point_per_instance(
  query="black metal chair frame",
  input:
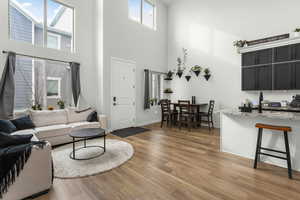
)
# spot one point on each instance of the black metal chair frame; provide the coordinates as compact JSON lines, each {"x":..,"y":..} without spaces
{"x":208,"y":115}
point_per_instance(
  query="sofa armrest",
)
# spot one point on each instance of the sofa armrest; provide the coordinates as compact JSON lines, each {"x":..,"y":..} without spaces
{"x":103,"y":121}
{"x":36,"y":177}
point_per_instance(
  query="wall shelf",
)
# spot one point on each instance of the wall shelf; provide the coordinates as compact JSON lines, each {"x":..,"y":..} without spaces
{"x":268,"y":45}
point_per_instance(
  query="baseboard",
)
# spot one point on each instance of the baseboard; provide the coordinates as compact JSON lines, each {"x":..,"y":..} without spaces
{"x":37,"y":195}
{"x":148,"y":123}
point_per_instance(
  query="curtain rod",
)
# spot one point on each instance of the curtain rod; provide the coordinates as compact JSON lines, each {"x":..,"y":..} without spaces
{"x":19,"y":54}
{"x":155,"y":72}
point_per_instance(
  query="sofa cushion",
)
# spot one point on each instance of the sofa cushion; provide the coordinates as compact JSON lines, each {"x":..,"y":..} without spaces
{"x":52,"y":131}
{"x":23,"y":123}
{"x":7,"y":126}
{"x":27,"y":132}
{"x":48,"y":118}
{"x":7,"y":140}
{"x":81,"y":125}
{"x":78,"y":116}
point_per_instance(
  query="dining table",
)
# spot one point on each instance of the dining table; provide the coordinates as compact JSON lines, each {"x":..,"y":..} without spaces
{"x":195,"y":106}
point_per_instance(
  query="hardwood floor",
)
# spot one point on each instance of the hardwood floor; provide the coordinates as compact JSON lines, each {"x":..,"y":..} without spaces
{"x":173,"y":164}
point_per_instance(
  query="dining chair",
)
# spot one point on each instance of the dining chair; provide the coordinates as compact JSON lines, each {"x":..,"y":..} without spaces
{"x":167,"y":115}
{"x":186,"y":116}
{"x":208,"y":115}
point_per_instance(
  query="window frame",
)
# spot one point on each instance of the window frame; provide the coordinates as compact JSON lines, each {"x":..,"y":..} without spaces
{"x":58,"y":40}
{"x":141,"y":16}
{"x":58,"y":85}
{"x":45,"y":27}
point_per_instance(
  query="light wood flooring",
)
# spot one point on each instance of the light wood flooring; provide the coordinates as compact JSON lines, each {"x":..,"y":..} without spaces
{"x":173,"y":164}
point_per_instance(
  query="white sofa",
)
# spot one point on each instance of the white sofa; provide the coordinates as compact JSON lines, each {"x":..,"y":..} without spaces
{"x":53,"y":127}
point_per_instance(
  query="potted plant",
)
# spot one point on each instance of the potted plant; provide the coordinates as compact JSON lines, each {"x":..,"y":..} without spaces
{"x":181,"y":63}
{"x":50,"y":108}
{"x":36,"y":106}
{"x":240,"y":43}
{"x":207,"y":74}
{"x":61,"y":104}
{"x":169,"y":76}
{"x":188,"y":76}
{"x":197,"y":69}
{"x":168,"y":91}
{"x":153,"y":101}
{"x":297,"y":32}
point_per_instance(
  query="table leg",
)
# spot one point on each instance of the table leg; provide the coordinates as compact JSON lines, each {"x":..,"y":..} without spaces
{"x":104,"y":143}
{"x":84,"y":143}
{"x":73,"y":148}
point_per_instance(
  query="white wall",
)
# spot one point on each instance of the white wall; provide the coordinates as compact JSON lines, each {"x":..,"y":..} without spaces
{"x":126,"y":39}
{"x":84,"y":43}
{"x":207,"y":28}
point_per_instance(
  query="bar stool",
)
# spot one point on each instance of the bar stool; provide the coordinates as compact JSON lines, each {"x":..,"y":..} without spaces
{"x":285,"y":130}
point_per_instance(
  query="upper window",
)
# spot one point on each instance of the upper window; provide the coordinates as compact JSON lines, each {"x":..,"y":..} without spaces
{"x":143,"y":11}
{"x":29,"y":23}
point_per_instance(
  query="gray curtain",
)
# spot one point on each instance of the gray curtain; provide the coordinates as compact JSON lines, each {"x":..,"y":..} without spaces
{"x":75,"y":77}
{"x":147,"y":89}
{"x":7,"y":88}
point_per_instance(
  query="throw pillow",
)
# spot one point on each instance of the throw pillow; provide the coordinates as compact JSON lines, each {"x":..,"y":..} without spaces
{"x":7,"y":140}
{"x":93,"y":117}
{"x":7,"y":127}
{"x":23,"y":123}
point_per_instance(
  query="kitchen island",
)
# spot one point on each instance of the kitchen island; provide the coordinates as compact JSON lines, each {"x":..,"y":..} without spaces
{"x":239,"y":135}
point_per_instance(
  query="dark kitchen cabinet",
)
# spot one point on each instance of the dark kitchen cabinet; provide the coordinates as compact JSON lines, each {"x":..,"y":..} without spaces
{"x":282,"y":54}
{"x":257,"y":78}
{"x":257,"y":57}
{"x":296,"y":75}
{"x":283,"y":76}
{"x":295,"y":52}
{"x":264,"y":56}
{"x":249,"y":59}
{"x":264,"y":77}
{"x":249,"y":78}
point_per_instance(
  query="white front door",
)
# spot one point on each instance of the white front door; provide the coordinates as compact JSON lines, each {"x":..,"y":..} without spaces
{"x":123,"y":94}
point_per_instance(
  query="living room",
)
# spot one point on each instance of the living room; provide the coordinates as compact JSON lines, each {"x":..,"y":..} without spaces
{"x":143,"y":99}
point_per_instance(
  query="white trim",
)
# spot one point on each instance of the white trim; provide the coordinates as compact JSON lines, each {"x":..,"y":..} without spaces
{"x":58,"y":40}
{"x":111,"y":87}
{"x":268,"y":45}
{"x":59,"y":87}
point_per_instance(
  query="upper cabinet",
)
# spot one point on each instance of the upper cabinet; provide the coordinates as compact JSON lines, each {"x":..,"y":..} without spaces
{"x":257,"y":57}
{"x":275,"y":68}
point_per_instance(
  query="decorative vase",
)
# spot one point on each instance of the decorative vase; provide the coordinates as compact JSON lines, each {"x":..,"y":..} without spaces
{"x":188,"y":77}
{"x":207,"y":76}
{"x":179,"y":74}
{"x":197,"y":72}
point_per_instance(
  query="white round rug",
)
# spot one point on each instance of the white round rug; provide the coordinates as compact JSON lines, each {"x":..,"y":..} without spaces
{"x":117,"y":153}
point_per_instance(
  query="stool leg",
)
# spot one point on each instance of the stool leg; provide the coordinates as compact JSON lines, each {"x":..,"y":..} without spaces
{"x":288,"y":155}
{"x":258,"y":145}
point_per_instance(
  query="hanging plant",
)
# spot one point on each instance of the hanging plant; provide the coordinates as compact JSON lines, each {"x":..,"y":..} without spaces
{"x":188,"y":77}
{"x":207,"y":74}
{"x":181,"y":63}
{"x":196,"y":69}
{"x":169,"y":76}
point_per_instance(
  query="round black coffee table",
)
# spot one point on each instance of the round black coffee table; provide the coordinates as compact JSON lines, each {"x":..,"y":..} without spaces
{"x":84,"y":135}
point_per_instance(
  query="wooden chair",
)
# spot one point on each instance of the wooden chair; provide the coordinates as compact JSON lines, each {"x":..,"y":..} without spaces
{"x":208,"y":115}
{"x":186,"y":115}
{"x":167,"y":115}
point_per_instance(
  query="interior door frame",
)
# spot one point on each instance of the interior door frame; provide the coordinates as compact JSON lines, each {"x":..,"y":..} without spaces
{"x":111,"y":87}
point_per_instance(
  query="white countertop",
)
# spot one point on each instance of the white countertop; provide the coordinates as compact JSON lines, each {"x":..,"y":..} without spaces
{"x":265,"y":114}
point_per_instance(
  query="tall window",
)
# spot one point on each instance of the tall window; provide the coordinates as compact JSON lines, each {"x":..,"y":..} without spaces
{"x":41,"y":82}
{"x":143,"y":11}
{"x":29,"y":23}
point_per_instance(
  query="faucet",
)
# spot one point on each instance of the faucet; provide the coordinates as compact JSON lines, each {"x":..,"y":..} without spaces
{"x":261,"y":98}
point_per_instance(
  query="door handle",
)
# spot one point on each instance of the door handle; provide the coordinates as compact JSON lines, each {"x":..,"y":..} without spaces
{"x":114,"y":99}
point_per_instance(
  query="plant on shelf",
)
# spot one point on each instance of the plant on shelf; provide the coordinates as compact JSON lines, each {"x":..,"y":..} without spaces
{"x":61,"y":104}
{"x":297,"y":32}
{"x":169,"y":75}
{"x":153,"y":101}
{"x":207,"y":74}
{"x":36,"y":107}
{"x":196,"y":69}
{"x":240,"y":43}
{"x":188,"y":76}
{"x":168,"y":91}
